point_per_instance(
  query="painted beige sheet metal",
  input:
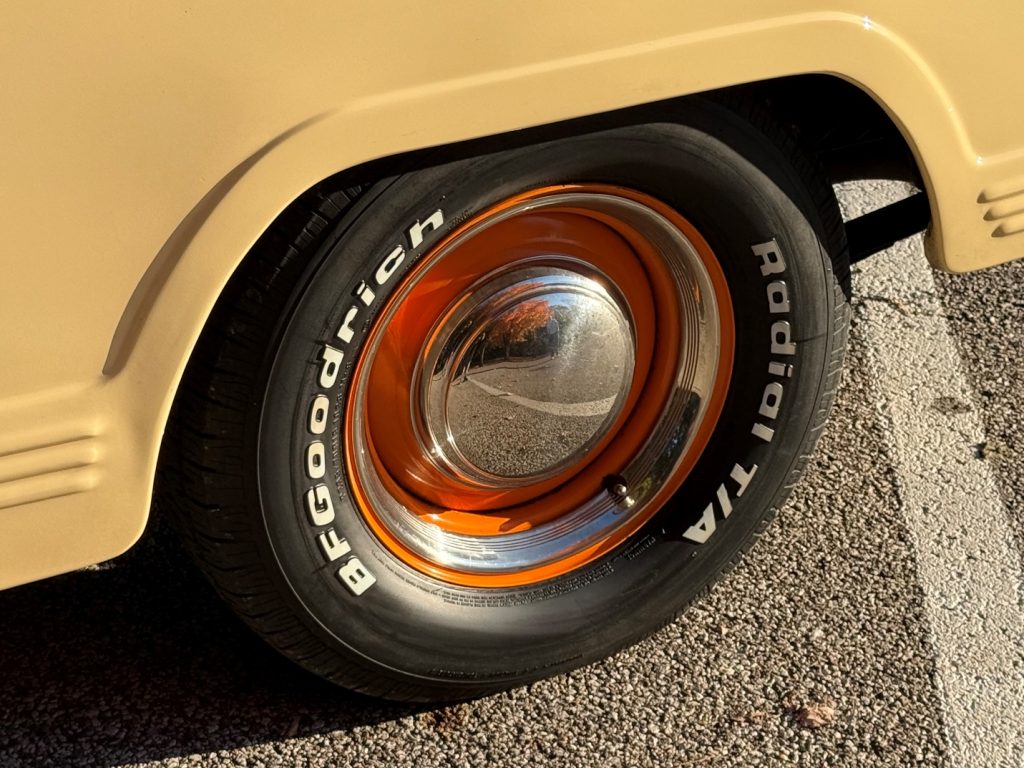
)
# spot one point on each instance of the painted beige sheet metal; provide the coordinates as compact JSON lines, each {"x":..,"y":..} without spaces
{"x":145,"y":146}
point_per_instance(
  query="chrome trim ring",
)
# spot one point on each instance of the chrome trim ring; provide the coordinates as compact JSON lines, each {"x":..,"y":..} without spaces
{"x":637,"y":483}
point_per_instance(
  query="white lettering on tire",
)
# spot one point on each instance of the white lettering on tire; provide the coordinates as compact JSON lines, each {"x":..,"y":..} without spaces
{"x":356,"y":577}
{"x":700,"y":532}
{"x":387,"y":267}
{"x":318,"y":415}
{"x":435,"y":220}
{"x":773,"y":265}
{"x":319,"y":506}
{"x":331,"y":365}
{"x":334,"y":548}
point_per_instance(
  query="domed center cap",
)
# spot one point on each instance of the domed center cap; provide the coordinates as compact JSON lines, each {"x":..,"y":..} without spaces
{"x":525,"y":375}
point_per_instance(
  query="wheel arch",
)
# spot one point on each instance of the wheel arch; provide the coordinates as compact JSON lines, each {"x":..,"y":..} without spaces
{"x":212,"y":240}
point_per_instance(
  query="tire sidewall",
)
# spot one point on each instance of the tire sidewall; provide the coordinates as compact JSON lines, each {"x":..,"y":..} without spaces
{"x":739,"y":192}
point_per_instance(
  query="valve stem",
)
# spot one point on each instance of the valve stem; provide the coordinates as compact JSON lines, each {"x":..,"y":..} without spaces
{"x":617,"y":487}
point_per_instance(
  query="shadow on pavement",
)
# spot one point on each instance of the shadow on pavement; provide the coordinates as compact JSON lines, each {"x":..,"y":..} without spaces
{"x":138,"y":660}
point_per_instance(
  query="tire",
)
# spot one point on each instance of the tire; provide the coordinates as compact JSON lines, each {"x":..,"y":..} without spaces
{"x":291,"y":460}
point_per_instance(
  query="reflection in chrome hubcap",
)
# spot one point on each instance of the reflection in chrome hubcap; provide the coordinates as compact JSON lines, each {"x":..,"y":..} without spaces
{"x":525,"y":374}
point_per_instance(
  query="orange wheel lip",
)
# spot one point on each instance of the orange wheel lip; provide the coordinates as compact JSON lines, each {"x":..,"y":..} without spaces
{"x":493,"y":523}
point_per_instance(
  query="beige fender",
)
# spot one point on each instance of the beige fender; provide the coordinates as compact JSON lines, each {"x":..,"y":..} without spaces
{"x":97,"y":359}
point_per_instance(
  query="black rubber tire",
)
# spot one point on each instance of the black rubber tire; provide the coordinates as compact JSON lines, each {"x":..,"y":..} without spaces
{"x":234,"y":460}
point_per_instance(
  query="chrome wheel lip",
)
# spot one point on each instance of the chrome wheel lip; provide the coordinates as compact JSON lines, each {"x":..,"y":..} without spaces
{"x":643,"y":476}
{"x":449,"y":343}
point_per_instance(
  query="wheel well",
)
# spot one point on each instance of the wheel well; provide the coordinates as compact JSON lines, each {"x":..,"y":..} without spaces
{"x":850,"y":133}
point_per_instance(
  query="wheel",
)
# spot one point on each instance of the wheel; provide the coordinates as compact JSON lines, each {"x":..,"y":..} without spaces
{"x":486,"y":421}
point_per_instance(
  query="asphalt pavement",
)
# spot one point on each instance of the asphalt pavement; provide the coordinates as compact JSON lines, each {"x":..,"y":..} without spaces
{"x":877,"y":622}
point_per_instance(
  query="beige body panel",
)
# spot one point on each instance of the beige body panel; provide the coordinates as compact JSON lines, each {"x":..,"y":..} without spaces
{"x":145,"y":146}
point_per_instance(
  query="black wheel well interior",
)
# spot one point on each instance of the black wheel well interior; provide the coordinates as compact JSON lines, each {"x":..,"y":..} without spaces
{"x":851,"y":134}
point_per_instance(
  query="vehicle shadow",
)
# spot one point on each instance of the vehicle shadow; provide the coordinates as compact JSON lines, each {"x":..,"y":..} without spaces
{"x":138,"y":660}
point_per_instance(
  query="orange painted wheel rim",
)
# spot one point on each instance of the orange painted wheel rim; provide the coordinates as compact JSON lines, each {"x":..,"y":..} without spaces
{"x":584,"y":288}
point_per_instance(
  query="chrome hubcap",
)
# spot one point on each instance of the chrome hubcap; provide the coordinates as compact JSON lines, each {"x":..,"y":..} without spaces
{"x":525,"y":374}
